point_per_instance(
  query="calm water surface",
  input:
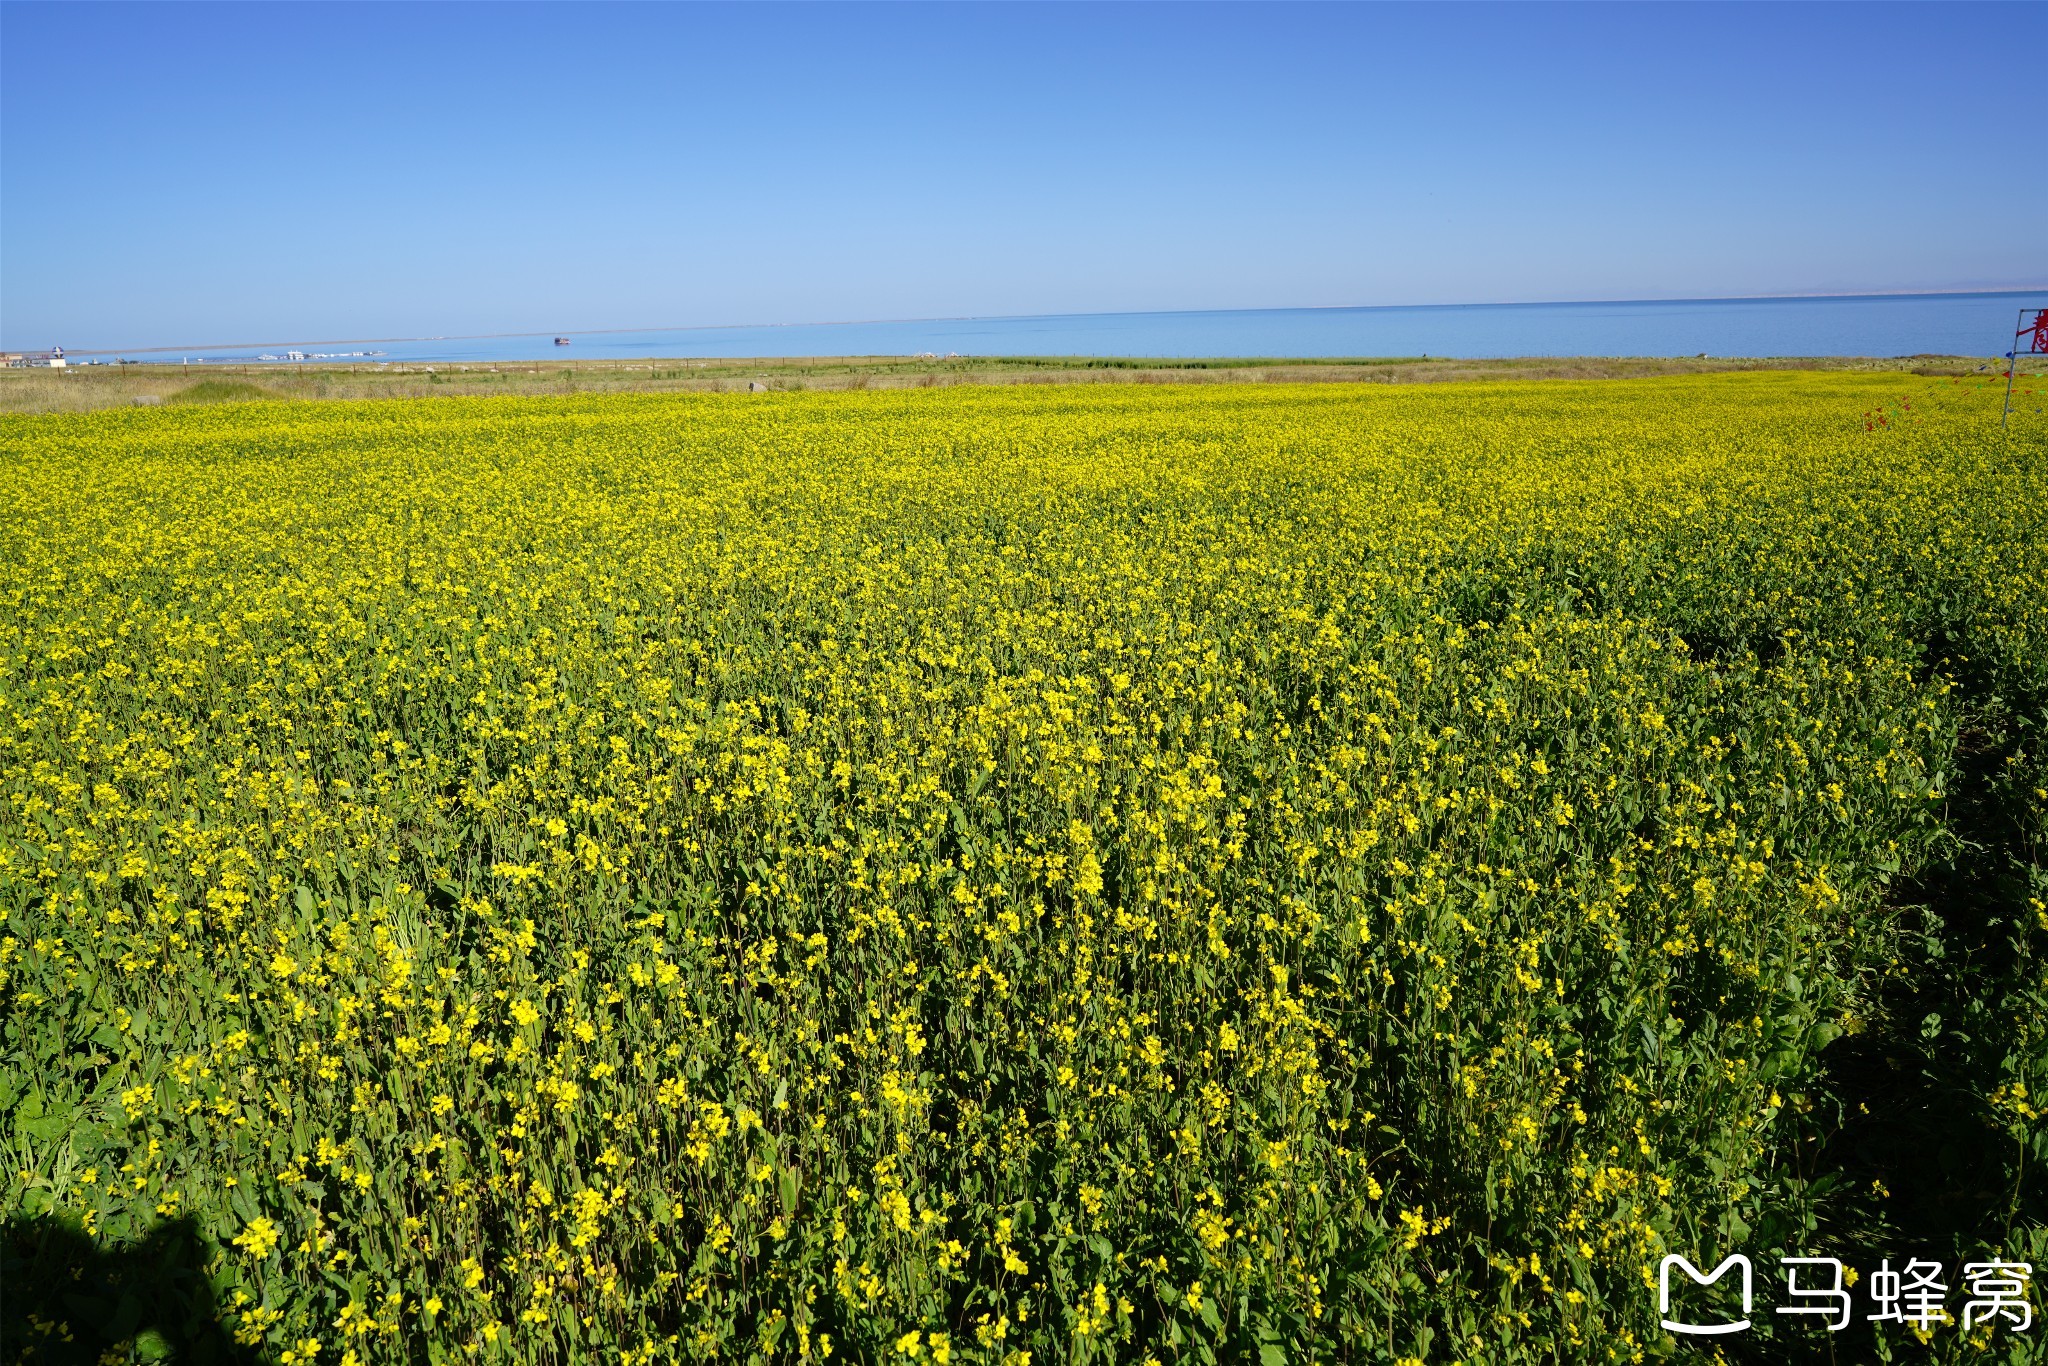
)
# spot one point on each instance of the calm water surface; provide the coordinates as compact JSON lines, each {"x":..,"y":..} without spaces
{"x":1870,"y":325}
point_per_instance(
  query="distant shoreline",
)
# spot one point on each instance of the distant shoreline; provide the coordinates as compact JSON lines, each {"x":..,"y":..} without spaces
{"x":25,"y":392}
{"x":2015,"y":291}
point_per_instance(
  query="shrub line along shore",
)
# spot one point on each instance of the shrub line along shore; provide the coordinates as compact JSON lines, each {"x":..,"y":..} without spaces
{"x":106,"y":386}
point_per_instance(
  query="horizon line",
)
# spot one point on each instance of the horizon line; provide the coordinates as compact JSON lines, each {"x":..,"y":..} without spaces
{"x":1106,"y":313}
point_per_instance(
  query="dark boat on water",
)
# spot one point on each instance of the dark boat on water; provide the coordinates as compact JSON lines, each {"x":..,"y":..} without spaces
{"x":561,"y":341}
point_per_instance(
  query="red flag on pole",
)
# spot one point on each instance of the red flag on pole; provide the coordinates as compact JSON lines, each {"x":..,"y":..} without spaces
{"x":2037,"y":335}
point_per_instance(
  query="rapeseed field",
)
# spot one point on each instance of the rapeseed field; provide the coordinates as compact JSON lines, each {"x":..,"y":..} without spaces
{"x":1269,"y":874}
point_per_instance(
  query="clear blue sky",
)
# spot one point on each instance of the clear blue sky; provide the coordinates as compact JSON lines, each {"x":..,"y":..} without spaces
{"x":175,"y":173}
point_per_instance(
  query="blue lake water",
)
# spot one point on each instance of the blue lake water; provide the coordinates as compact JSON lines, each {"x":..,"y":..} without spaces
{"x":1865,"y":325}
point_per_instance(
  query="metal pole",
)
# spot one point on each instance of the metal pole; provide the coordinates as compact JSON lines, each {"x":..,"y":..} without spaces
{"x":2012,"y":363}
